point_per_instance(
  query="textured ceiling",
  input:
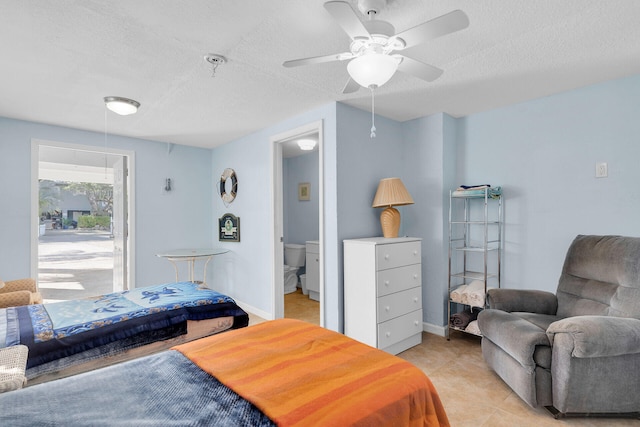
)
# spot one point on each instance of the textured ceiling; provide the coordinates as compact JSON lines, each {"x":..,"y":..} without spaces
{"x":60,"y":58}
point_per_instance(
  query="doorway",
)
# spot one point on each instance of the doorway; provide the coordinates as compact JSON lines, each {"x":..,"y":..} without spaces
{"x":83,"y":244}
{"x":284,"y":150}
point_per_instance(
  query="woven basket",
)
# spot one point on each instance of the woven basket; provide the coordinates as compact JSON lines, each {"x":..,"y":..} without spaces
{"x":13,"y":363}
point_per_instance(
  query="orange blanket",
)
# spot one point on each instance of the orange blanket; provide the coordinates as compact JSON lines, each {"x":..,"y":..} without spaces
{"x":300,"y":374}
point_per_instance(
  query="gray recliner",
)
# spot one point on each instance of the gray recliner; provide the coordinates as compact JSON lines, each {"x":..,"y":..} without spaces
{"x":578,"y":351}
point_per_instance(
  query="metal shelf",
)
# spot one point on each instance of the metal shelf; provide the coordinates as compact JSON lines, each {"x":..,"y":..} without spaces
{"x":455,"y":328}
{"x":491,"y":247}
{"x":473,"y":275}
{"x":475,"y":242}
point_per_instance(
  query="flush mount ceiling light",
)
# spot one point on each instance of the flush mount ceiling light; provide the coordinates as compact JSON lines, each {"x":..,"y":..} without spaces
{"x":306,"y":144}
{"x":120,"y":105}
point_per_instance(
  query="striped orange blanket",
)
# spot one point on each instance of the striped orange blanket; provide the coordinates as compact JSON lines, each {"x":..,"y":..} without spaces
{"x":300,"y":374}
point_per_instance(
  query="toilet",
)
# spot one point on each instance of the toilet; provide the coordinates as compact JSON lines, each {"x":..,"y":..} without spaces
{"x":294,"y":257}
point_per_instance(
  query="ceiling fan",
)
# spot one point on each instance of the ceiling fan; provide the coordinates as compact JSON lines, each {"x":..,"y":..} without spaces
{"x":373,"y":57}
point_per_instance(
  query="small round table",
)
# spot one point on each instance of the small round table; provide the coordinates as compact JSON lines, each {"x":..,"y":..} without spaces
{"x":190,"y":256}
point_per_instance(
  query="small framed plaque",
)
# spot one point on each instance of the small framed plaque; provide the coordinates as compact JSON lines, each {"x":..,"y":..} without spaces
{"x":304,"y":191}
{"x":229,"y":227}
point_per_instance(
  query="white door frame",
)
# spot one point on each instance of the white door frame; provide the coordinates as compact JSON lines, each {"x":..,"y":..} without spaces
{"x":35,"y":208}
{"x":277,"y":280}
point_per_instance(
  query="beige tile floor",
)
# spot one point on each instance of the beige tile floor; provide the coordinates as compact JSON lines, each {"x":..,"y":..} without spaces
{"x":471,"y":393}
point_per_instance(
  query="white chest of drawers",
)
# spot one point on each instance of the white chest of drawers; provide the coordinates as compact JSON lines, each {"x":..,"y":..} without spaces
{"x":383,"y":292}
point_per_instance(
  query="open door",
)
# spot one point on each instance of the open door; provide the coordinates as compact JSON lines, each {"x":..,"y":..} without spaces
{"x":119,"y":226}
{"x":278,"y":152}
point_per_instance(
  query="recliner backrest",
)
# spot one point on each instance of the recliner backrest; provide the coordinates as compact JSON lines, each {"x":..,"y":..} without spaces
{"x":601,"y":276}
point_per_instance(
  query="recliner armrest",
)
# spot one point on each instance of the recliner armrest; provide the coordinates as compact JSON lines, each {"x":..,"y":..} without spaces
{"x":598,"y":336}
{"x":530,"y":301}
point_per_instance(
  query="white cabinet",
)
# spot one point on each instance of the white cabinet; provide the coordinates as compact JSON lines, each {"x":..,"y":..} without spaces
{"x":383,"y":292}
{"x":313,"y":269}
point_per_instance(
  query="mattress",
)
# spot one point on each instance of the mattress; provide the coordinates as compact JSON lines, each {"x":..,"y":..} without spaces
{"x":110,"y":323}
{"x":283,"y":372}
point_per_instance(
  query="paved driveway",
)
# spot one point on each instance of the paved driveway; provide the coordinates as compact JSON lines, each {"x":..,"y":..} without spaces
{"x":75,"y":264}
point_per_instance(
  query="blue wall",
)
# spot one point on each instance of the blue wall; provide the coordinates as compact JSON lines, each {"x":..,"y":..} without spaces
{"x":301,"y":217}
{"x":248,"y":267}
{"x":164,"y":220}
{"x":543,"y":152}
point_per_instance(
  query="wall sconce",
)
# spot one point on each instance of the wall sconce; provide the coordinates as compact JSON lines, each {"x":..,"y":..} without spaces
{"x":391,"y":192}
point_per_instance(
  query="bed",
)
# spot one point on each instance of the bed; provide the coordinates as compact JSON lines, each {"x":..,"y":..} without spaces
{"x":69,"y":337}
{"x":283,"y":372}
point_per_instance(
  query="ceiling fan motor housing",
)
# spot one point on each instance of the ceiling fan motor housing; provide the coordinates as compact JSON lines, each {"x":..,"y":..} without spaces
{"x":381,"y":40}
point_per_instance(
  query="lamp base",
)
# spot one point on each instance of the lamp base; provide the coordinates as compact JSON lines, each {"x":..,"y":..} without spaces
{"x":390,"y":222}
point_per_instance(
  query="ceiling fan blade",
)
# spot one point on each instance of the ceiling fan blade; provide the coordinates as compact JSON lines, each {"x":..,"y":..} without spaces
{"x":347,"y":18}
{"x":440,"y":26}
{"x":351,"y":86}
{"x":318,"y":59}
{"x":419,"y":69}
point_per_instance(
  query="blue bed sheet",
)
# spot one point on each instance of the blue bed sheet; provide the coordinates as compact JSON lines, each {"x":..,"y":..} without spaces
{"x":165,"y":389}
{"x":56,"y":330}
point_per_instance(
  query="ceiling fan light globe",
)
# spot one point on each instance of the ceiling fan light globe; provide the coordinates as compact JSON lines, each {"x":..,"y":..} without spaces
{"x":372,"y":69}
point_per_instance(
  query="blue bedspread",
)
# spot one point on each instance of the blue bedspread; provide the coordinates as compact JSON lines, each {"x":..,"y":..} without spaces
{"x":165,"y":389}
{"x":56,"y":330}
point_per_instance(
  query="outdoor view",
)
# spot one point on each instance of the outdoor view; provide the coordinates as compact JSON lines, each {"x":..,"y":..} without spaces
{"x":75,"y":249}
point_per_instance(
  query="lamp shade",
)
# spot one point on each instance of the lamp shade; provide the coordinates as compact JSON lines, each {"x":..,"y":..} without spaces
{"x":391,"y":192}
{"x":120,"y":105}
{"x":372,"y":69}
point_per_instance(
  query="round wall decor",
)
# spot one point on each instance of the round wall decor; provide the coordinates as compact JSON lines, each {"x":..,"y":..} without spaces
{"x":228,"y":193}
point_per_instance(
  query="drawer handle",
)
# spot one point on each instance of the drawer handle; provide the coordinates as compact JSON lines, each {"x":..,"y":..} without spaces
{"x":415,"y":252}
{"x":386,"y":283}
{"x":415,"y":299}
{"x":415,"y":276}
{"x":387,"y":308}
{"x":388,"y":334}
{"x":386,"y":256}
{"x":416,"y":323}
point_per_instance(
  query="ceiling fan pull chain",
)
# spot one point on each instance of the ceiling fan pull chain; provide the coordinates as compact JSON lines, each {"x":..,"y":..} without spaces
{"x":373,"y":120}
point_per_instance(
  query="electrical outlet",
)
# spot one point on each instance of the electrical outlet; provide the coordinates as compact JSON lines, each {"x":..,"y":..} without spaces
{"x":601,"y":170}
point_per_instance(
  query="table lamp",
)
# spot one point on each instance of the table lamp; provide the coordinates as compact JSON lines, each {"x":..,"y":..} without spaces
{"x":391,"y":192}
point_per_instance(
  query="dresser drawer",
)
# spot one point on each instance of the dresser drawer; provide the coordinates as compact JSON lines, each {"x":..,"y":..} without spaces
{"x":395,"y":305}
{"x":398,"y":279}
{"x":397,"y":255}
{"x":400,"y":328}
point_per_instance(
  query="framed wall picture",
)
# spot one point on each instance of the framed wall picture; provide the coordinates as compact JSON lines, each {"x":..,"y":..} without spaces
{"x":304,"y":191}
{"x":229,"y":227}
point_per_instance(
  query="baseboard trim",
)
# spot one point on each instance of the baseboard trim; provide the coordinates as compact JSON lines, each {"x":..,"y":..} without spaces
{"x":253,"y":310}
{"x":440,"y":331}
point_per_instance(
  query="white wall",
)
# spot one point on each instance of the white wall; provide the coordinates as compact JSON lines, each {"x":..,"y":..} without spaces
{"x":178,"y":219}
